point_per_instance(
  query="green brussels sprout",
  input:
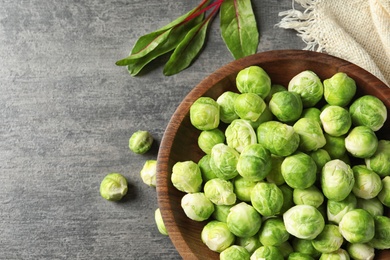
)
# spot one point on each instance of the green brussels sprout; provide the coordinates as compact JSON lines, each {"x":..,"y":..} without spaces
{"x":217,"y":236}
{"x":113,"y":187}
{"x":304,"y":221}
{"x":208,"y":138}
{"x":368,"y":111}
{"x":286,"y":249}
{"x":253,"y":79}
{"x":223,"y":161}
{"x":309,"y":86}
{"x":226,"y":106}
{"x":380,"y":161}
{"x":339,"y":89}
{"x":249,"y":106}
{"x":234,"y":252}
{"x":361,"y":142}
{"x":239,"y":134}
{"x":196,"y":206}
{"x":186,"y":177}
{"x":313,"y":113}
{"x":279,"y":138}
{"x":243,"y":220}
{"x":310,"y":196}
{"x":148,"y":172}
{"x":267,"y":198}
{"x":273,"y":232}
{"x":384,"y":194}
{"x":205,"y":168}
{"x":286,"y":106}
{"x":220,"y":192}
{"x":340,"y":254}
{"x":243,"y":188}
{"x":374,"y":206}
{"x":267,"y":252}
{"x":367,"y":183}
{"x":275,"y":88}
{"x":140,"y":142}
{"x":336,"y":210}
{"x":275,"y":174}
{"x":360,"y":251}
{"x":254,"y":162}
{"x":288,"y":201}
{"x":311,"y":137}
{"x":357,"y":226}
{"x":204,"y":113}
{"x":381,"y":238}
{"x":305,"y":246}
{"x":299,"y":170}
{"x":249,"y":243}
{"x":320,"y":157}
{"x":329,"y":240}
{"x":337,"y":180}
{"x":159,"y":222}
{"x":335,"y":120}
{"x":299,"y":256}
{"x":335,"y":146}
{"x":221,"y":212}
{"x":264,"y":117}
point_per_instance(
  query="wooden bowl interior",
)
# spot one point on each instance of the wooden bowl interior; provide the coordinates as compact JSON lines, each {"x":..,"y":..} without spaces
{"x":180,"y":139}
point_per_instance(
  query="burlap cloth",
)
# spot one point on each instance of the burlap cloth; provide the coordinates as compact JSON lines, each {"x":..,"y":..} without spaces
{"x":354,"y":30}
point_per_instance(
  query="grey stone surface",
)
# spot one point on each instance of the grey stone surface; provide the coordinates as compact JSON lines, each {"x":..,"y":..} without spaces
{"x":67,"y":111}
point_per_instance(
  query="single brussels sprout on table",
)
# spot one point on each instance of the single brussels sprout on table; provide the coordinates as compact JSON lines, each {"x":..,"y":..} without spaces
{"x":186,"y":177}
{"x":329,"y":240}
{"x":249,"y":106}
{"x":140,"y":142}
{"x":159,"y":222}
{"x":336,"y":210}
{"x":217,"y":236}
{"x":208,"y":138}
{"x":337,"y":180}
{"x":223,"y":161}
{"x":311,"y":136}
{"x":253,"y":79}
{"x":273,"y":232}
{"x":234,"y":252}
{"x":226,"y":105}
{"x":196,"y":206}
{"x":113,"y":187}
{"x":204,"y":113}
{"x":299,"y":170}
{"x":339,"y":89}
{"x":286,"y":106}
{"x":357,"y":226}
{"x":267,"y":252}
{"x":335,"y":120}
{"x":367,"y":183}
{"x":148,"y":173}
{"x":379,"y":162}
{"x":239,"y":134}
{"x":267,"y":198}
{"x":309,"y":86}
{"x":220,"y":192}
{"x":310,"y":196}
{"x":360,"y":251}
{"x":384,"y":194}
{"x":243,"y":220}
{"x":361,"y":142}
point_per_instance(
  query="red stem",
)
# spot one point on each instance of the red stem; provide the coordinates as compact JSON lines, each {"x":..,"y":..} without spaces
{"x":201,"y":10}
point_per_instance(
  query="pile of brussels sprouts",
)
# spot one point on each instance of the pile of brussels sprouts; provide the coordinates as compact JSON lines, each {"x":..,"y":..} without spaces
{"x":297,"y":172}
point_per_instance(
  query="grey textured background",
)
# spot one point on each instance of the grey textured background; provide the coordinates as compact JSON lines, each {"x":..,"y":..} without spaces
{"x":67,"y":111}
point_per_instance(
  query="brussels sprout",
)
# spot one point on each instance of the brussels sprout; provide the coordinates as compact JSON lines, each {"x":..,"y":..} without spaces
{"x":264,"y":117}
{"x":384,"y":194}
{"x":226,"y":106}
{"x":381,"y":238}
{"x":357,"y":226}
{"x":243,"y":188}
{"x":208,"y":138}
{"x":140,"y":142}
{"x":335,"y":120}
{"x":273,"y":232}
{"x":148,"y":172}
{"x":310,"y":196}
{"x":304,"y":221}
{"x":239,"y":134}
{"x":286,"y":249}
{"x":234,"y":252}
{"x":310,"y":134}
{"x":309,"y":86}
{"x":243,"y":220}
{"x":205,"y":168}
{"x":286,"y":106}
{"x":305,"y":246}
{"x":320,"y":157}
{"x":267,"y":252}
{"x":223,"y":161}
{"x":335,"y":146}
{"x":380,"y":161}
{"x":216,"y":236}
{"x":329,"y":240}
{"x":275,"y":175}
{"x":313,"y":113}
{"x":367,"y":183}
{"x":196,"y":206}
{"x":253,"y":79}
{"x":361,"y":142}
{"x":374,"y":206}
{"x":220,"y":192}
{"x":337,"y":180}
{"x":113,"y":187}
{"x":159,"y":222}
{"x":186,"y":177}
{"x":288,"y":201}
{"x":221,"y":212}
{"x":336,"y":210}
{"x":340,"y":254}
{"x":249,"y":106}
{"x":275,"y":88}
{"x":299,"y":170}
{"x":279,"y":138}
{"x":339,"y":89}
{"x":204,"y":113}
{"x":299,"y":256}
{"x":360,"y":251}
{"x":267,"y":198}
{"x":249,"y":243}
{"x":368,"y":111}
{"x":254,"y":162}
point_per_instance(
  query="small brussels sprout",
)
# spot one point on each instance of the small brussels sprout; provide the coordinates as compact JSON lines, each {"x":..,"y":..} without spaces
{"x":339,"y":89}
{"x":288,"y":201}
{"x":336,"y":210}
{"x":305,"y":246}
{"x":217,"y":236}
{"x":208,"y":138}
{"x":335,"y":120}
{"x":329,"y":240}
{"x":254,"y":162}
{"x":221,"y":212}
{"x":273,"y":232}
{"x":335,"y":255}
{"x":140,"y":142}
{"x":275,"y":88}
{"x":304,"y":221}
{"x":337,"y":180}
{"x":373,"y":206}
{"x":159,"y":222}
{"x":357,"y":226}
{"x":368,"y":111}
{"x":279,"y":138}
{"x":311,"y":137}
{"x":249,"y":106}
{"x":310,"y":196}
{"x":220,"y":192}
{"x":380,"y":161}
{"x":361,"y":142}
{"x":384,"y":194}
{"x":320,"y":157}
{"x":299,"y":256}
{"x":299,"y":170}
{"x":267,"y":198}
{"x":286,"y":106}
{"x":275,"y":175}
{"x":249,"y":243}
{"x":204,"y":113}
{"x":186,"y":176}
{"x":239,"y":134}
{"x":243,"y":220}
{"x":243,"y":188}
{"x":253,"y":79}
{"x":267,"y":252}
{"x":148,"y":172}
{"x":196,"y":206}
{"x":381,"y":238}
{"x":367,"y":183}
{"x":113,"y":187}
{"x":309,"y":86}
{"x":335,"y":146}
{"x":264,"y":117}
{"x":205,"y":168}
{"x":223,"y":161}
{"x":234,"y":252}
{"x":313,"y":113}
{"x":360,"y":251}
{"x":226,"y":105}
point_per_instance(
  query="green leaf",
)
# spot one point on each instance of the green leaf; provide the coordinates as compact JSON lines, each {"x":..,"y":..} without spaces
{"x":238,"y":27}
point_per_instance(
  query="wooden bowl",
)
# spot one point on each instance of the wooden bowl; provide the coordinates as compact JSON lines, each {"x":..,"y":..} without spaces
{"x":180,"y":139}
